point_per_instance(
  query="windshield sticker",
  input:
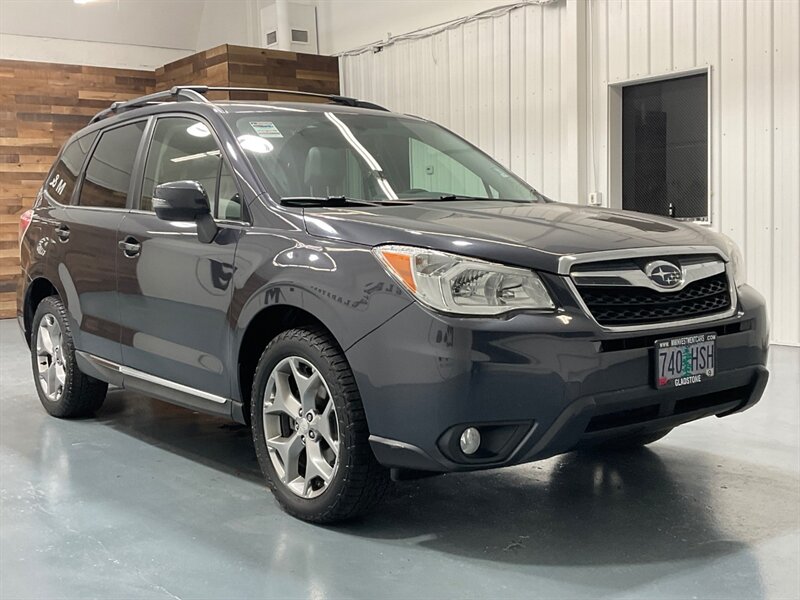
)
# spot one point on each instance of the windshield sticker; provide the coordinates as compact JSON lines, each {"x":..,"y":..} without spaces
{"x":266,"y":129}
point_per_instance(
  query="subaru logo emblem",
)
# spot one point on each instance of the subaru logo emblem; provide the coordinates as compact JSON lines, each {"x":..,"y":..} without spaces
{"x":664,"y":274}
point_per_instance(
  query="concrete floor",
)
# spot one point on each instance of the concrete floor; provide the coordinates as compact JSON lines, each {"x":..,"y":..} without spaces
{"x":153,"y":501}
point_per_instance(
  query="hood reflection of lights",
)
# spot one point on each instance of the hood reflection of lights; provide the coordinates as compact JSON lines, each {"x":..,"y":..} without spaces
{"x":305,"y":258}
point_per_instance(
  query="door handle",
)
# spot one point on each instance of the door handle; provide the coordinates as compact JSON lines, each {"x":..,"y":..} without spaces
{"x":130,"y":246}
{"x":62,"y":233}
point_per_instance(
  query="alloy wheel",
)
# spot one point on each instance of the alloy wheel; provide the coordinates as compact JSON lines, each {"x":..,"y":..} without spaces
{"x":300,"y":427}
{"x":50,"y":358}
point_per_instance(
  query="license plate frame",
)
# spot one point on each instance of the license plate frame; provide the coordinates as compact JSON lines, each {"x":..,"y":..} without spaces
{"x":685,"y":360}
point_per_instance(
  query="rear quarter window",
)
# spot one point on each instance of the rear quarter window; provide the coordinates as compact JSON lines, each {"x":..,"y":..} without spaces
{"x":61,"y":182}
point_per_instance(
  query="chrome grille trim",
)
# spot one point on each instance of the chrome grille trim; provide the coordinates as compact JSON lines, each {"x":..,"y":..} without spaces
{"x":637,"y":278}
{"x":565,"y":263}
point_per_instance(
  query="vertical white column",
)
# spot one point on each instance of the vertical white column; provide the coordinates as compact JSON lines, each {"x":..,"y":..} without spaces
{"x":283,"y":29}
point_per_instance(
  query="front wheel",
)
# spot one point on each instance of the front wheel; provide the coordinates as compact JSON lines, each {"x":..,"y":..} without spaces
{"x":310,"y":431}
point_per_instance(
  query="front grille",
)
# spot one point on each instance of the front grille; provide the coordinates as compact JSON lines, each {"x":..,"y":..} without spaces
{"x":620,"y":305}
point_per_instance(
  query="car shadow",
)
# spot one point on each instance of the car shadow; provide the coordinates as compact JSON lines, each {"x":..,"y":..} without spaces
{"x":580,"y":509}
{"x":211,"y":441}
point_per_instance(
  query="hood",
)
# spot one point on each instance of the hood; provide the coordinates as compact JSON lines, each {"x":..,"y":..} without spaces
{"x":529,"y":235}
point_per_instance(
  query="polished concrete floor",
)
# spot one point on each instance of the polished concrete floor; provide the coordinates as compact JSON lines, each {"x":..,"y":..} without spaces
{"x":153,"y":501}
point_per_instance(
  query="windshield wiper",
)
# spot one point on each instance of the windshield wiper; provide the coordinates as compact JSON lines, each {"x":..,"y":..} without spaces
{"x":333,"y":201}
{"x":456,"y":197}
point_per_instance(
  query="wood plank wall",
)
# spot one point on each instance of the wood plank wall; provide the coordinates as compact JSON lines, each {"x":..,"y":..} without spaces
{"x":255,"y":67}
{"x":242,"y":66}
{"x":42,"y":104}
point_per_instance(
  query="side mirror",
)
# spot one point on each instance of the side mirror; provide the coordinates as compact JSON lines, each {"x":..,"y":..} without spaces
{"x":185,"y":201}
{"x":180,"y":201}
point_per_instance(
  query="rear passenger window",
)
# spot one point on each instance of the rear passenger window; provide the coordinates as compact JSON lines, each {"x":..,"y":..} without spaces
{"x":182,"y":149}
{"x":108,"y":174}
{"x":62,"y":179}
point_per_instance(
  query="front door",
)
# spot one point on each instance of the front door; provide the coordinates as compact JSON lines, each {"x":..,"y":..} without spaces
{"x":175,"y":291}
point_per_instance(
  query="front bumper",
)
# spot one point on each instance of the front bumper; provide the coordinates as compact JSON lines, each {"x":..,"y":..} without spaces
{"x":539,"y":384}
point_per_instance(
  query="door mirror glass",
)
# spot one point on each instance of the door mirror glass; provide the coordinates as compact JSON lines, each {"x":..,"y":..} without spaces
{"x":181,"y":201}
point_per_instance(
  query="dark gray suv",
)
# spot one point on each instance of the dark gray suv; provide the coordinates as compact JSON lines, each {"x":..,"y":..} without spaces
{"x":374,"y":295}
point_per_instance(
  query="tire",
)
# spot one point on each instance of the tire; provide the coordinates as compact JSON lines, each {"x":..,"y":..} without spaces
{"x":73,"y":393}
{"x":634,"y":441}
{"x":356,"y":481}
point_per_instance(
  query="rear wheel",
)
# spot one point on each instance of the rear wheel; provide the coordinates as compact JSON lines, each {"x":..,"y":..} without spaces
{"x":63,"y":389}
{"x":310,"y":431}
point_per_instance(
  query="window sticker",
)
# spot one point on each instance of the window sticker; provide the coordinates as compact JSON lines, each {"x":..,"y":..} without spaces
{"x":266,"y":129}
{"x":58,"y":184}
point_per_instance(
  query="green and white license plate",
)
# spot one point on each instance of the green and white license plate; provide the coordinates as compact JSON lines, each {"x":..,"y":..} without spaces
{"x":685,"y":360}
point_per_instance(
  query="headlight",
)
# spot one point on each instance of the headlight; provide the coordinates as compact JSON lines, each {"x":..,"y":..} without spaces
{"x":736,"y":258}
{"x":462,"y":285}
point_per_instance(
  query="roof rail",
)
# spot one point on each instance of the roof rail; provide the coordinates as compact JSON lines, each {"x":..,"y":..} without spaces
{"x":334,"y":98}
{"x":176,"y":93}
{"x":196,"y":93}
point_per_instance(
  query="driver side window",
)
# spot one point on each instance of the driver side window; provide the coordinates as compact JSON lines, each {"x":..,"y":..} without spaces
{"x":184,"y":149}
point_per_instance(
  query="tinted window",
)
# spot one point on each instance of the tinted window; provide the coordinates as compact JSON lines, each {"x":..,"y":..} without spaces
{"x":108,"y":174}
{"x":61,"y":182}
{"x":182,"y":149}
{"x":665,"y":147}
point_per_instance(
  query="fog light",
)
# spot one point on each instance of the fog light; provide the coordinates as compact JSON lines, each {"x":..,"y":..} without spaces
{"x":470,"y":440}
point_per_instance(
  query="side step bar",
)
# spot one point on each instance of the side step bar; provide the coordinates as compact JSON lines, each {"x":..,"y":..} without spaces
{"x":150,"y":385}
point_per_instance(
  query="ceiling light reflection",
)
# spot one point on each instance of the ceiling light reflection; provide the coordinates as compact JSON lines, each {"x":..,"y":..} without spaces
{"x":198,"y":130}
{"x":256,"y":144}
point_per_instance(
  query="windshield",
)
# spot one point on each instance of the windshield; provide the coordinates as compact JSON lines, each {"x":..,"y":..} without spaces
{"x":372,"y":157}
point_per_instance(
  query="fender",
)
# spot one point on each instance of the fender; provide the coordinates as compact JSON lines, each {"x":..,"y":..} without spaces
{"x":347,"y":317}
{"x":340,"y":284}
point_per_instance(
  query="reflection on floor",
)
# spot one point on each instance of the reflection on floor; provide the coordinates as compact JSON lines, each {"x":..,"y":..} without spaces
{"x":150,"y":500}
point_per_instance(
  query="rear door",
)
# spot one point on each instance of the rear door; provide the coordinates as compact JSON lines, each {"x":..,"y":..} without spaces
{"x":174,"y":290}
{"x":83,"y":254}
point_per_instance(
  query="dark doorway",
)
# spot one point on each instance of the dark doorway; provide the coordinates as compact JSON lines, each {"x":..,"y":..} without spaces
{"x":665,"y":147}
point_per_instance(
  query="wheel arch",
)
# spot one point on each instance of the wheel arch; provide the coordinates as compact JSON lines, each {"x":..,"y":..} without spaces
{"x":39,"y":289}
{"x":260,"y":331}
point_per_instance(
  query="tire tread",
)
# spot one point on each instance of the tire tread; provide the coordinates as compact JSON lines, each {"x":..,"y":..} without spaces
{"x":84,"y":395}
{"x":367,"y":481}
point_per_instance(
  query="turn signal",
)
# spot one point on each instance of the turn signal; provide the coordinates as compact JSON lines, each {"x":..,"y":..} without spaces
{"x":400,"y":264}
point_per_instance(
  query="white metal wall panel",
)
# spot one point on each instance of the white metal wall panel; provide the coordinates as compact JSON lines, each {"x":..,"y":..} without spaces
{"x":499,"y":82}
{"x":759,"y":198}
{"x":786,"y":172}
{"x":751,"y":48}
{"x":515,"y":86}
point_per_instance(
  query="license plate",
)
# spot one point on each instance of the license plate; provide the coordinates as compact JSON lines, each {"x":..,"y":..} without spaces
{"x":685,"y":360}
